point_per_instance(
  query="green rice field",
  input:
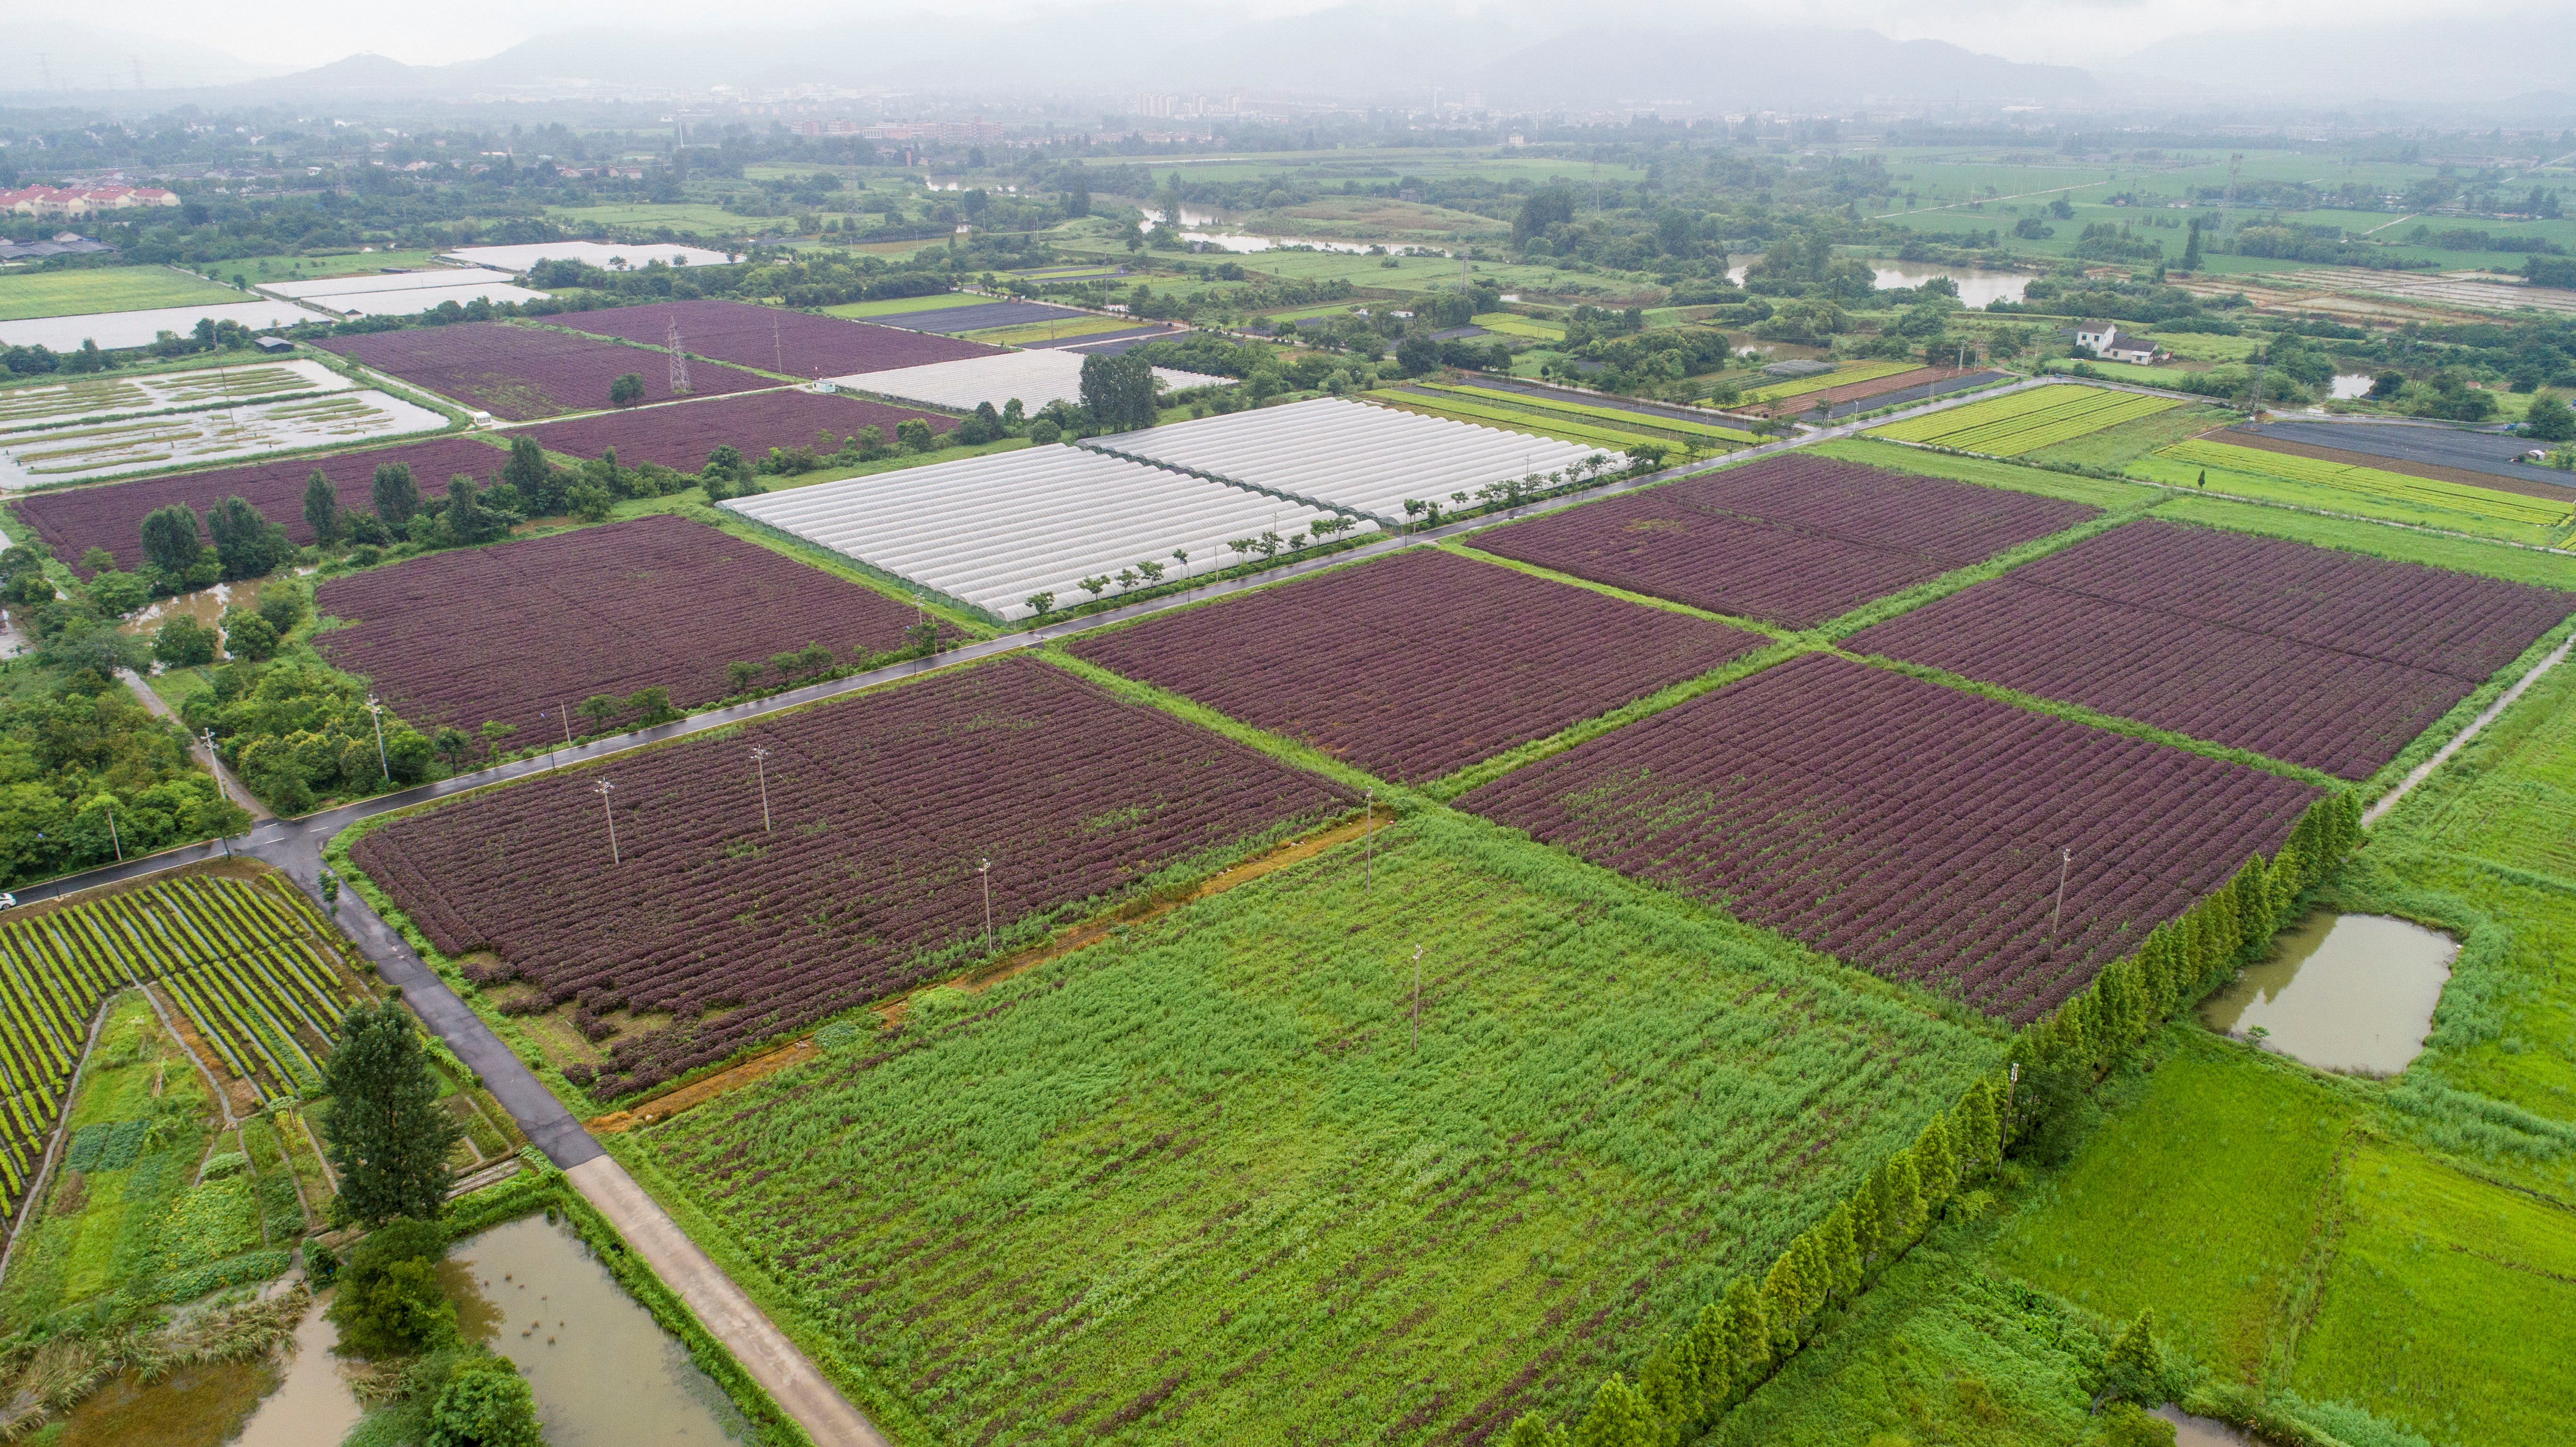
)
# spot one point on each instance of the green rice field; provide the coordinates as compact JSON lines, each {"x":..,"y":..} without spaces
{"x":1842,"y":376}
{"x":25,"y":296}
{"x":905,"y":305}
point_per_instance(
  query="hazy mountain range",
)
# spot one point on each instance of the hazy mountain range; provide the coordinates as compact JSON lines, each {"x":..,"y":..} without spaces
{"x":1513,"y":59}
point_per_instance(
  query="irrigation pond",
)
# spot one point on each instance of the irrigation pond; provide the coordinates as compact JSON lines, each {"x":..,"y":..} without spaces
{"x":2340,"y":992}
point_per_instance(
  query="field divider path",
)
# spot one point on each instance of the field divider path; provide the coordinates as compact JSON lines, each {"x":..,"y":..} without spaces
{"x":2493,"y":711}
{"x":721,"y":1306}
{"x":152,"y":701}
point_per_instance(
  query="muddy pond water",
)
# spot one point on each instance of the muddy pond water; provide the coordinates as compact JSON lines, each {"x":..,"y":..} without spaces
{"x":2191,"y":1431}
{"x":604,"y":1372}
{"x":2341,"y":992}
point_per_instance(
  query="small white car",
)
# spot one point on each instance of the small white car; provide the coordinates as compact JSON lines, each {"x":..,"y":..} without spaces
{"x":8,"y":901}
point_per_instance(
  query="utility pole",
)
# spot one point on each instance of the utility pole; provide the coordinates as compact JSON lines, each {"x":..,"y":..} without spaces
{"x":2065,"y":859}
{"x":602,"y":789}
{"x":377,"y":711}
{"x":984,"y":871}
{"x":112,"y":836}
{"x":215,"y":766}
{"x":1417,"y":998}
{"x":760,"y":766}
{"x":565,"y":714}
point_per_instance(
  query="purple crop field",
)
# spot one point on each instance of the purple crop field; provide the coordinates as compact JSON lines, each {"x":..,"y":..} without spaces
{"x":2318,"y":657}
{"x":1907,"y":828}
{"x":681,"y":436}
{"x":73,"y":520}
{"x":774,"y":339}
{"x":506,"y":632}
{"x":883,"y":804}
{"x":1793,"y":540}
{"x":1416,"y":665}
{"x":521,"y":373}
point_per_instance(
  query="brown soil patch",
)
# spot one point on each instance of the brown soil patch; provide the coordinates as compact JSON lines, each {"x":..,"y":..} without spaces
{"x":2531,"y":487}
{"x":241,"y":1093}
{"x":1090,"y":932}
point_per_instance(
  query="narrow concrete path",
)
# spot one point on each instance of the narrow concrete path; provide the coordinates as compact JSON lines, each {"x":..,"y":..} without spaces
{"x":789,"y":1377}
{"x":2442,"y":755}
{"x":144,"y":694}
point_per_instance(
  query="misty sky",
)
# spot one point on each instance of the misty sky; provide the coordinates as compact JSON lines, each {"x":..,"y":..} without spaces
{"x":2073,"y":32}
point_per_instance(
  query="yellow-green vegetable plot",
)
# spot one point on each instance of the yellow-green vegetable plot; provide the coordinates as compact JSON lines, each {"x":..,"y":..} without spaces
{"x":1613,"y":416}
{"x":1513,"y":324}
{"x":1552,"y":424}
{"x":245,"y":962}
{"x":1842,"y":376}
{"x":2398,"y":487}
{"x":2026,"y":421}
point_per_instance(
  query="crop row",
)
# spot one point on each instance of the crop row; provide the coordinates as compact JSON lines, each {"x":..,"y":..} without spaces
{"x":1912,"y":830}
{"x":2322,"y":658}
{"x":881,"y":812}
{"x":243,"y":961}
{"x":511,"y":632}
{"x":524,"y":372}
{"x":1795,"y":539}
{"x":1842,"y":376}
{"x":2372,"y":482}
{"x":2028,"y":420}
{"x":1400,"y":665}
{"x":773,"y":339}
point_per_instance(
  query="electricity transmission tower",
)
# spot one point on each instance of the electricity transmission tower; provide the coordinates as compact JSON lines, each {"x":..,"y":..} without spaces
{"x":679,"y":359}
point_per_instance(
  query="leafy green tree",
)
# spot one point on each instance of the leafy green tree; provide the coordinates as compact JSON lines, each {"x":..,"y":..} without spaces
{"x":467,"y":520}
{"x":249,"y":636}
{"x":322,"y":508}
{"x":386,"y":1136}
{"x":2135,"y":1368}
{"x":602,"y":710}
{"x":488,"y":1404}
{"x":1974,"y":1129}
{"x":1840,"y":1251}
{"x":1620,"y":1417}
{"x":183,"y":642}
{"x":591,"y":503}
{"x":914,"y":435}
{"x":1532,"y":1431}
{"x":1900,"y":1201}
{"x":740,"y":675}
{"x":2549,"y":419}
{"x":1041,"y":604}
{"x":1936,"y":1162}
{"x":2191,"y":247}
{"x":626,"y":390}
{"x":652,"y":706}
{"x":1118,"y":392}
{"x":535,"y":478}
{"x":388,"y":1302}
{"x":817,"y":657}
{"x":452,"y":744}
{"x":396,"y":496}
{"x":246,"y":543}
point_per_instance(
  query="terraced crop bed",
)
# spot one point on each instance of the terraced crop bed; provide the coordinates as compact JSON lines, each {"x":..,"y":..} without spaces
{"x":247,"y":963}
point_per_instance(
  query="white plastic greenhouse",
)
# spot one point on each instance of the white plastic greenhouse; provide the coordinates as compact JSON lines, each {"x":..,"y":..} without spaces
{"x":1035,"y":377}
{"x":992,"y":531}
{"x":1349,"y":455}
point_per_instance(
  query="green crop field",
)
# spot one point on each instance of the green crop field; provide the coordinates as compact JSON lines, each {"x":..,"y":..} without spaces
{"x":682,"y":217}
{"x":253,"y":270}
{"x":2199,"y":1199}
{"x":2026,"y":421}
{"x":2451,"y":1308}
{"x":1544,"y":424}
{"x":904,"y":305}
{"x":2397,"y":496}
{"x":1028,"y":332}
{"x":2125,"y":442}
{"x":1602,"y":414}
{"x":1513,"y":324}
{"x":1199,"y":1181}
{"x":28,"y":295}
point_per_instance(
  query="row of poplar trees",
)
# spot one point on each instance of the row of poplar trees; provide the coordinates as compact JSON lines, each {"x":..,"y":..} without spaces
{"x":1700,"y":1371}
